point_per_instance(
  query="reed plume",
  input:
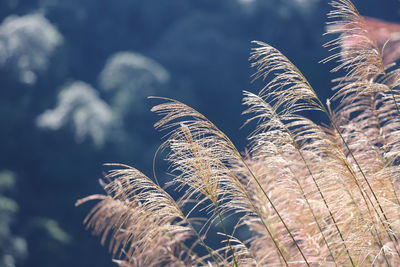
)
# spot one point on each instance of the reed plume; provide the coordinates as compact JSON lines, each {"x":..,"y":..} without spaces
{"x":310,"y":195}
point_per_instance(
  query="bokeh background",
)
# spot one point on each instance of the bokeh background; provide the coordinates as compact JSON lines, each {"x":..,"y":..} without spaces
{"x":74,"y":80}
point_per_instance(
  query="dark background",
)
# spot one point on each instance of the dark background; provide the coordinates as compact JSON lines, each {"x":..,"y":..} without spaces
{"x":195,"y":51}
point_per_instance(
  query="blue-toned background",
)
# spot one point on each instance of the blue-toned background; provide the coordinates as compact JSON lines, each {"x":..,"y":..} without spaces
{"x":74,"y":81}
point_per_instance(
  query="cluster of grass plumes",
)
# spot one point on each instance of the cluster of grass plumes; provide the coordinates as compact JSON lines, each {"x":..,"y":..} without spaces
{"x":310,"y":195}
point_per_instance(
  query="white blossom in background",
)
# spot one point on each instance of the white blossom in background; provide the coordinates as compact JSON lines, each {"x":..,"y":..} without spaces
{"x":13,"y":248}
{"x":131,"y":77}
{"x":128,"y":69}
{"x":80,"y":106}
{"x":26,"y":44}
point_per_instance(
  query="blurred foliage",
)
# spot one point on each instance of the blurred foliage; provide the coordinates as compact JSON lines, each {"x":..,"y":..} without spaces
{"x":13,"y":248}
{"x":121,"y":52}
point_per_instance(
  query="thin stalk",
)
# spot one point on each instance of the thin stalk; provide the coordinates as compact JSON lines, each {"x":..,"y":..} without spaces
{"x":184,"y":218}
{"x":375,"y":234}
{"x":382,"y":139}
{"x":184,"y":246}
{"x":329,"y":210}
{"x":378,"y":237}
{"x":276,"y":211}
{"x":203,"y":244}
{"x":191,"y":253}
{"x":394,"y":100}
{"x":258,"y":213}
{"x":322,"y":107}
{"x":235,"y":151}
{"x":328,"y":114}
{"x":320,"y":192}
{"x":235,"y":263}
{"x":304,"y":195}
{"x":316,"y":220}
{"x":211,"y":195}
{"x":365,"y":179}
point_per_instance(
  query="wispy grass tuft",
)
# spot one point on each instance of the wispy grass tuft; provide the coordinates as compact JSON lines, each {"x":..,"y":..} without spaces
{"x":309,"y":195}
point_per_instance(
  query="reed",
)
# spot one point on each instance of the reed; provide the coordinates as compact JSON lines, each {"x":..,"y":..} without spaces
{"x":310,"y":195}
